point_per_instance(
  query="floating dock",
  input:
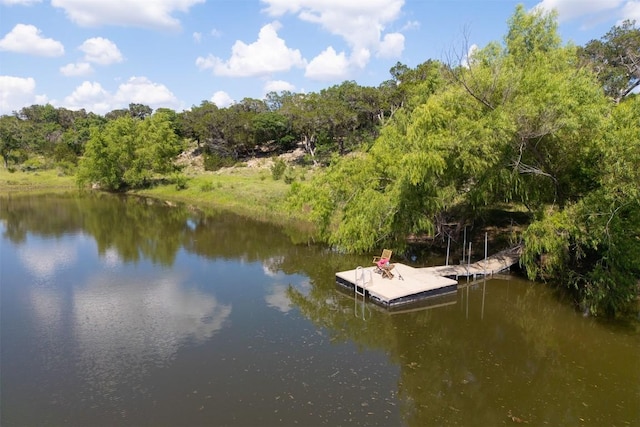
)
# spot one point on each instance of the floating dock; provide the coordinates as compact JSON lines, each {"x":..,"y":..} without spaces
{"x":410,"y":285}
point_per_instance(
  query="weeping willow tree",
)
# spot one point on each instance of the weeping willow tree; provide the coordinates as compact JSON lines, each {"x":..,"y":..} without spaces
{"x":520,"y":122}
{"x":593,"y":245}
{"x":514,"y":124}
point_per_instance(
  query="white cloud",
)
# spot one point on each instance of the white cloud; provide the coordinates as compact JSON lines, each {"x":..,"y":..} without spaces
{"x":93,"y":97}
{"x":411,"y":25}
{"x":278,"y":86}
{"x":16,"y":92}
{"x":267,"y":55}
{"x":469,"y":56}
{"x":205,"y":63}
{"x":141,"y":90}
{"x":360,"y":57}
{"x":359,"y":22}
{"x":571,"y":9}
{"x":19,"y":2}
{"x":90,"y":96}
{"x":329,"y":65}
{"x":197,"y":37}
{"x":27,"y":39}
{"x":77,"y":69}
{"x":101,"y":51}
{"x":134,"y":13}
{"x":631,"y":10}
{"x":391,"y":46}
{"x":221,"y":99}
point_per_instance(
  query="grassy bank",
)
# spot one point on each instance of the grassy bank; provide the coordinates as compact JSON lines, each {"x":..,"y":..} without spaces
{"x":39,"y":182}
{"x":250,"y":192}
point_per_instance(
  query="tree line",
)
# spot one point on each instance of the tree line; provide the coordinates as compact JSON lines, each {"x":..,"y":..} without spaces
{"x":336,"y":120}
{"x":530,"y":122}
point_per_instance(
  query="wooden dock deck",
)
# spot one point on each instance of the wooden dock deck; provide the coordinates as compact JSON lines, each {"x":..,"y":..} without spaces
{"x":410,"y":285}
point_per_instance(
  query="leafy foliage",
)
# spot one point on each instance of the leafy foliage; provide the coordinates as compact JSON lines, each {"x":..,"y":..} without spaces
{"x":277,"y":168}
{"x":616,"y":59}
{"x":215,"y":161}
{"x":127,"y":152}
{"x":595,"y":247}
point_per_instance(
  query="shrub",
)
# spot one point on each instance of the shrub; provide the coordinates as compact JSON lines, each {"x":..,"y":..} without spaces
{"x":214,"y":161}
{"x":63,"y":153}
{"x":180,"y":181}
{"x":66,"y":168}
{"x":289,"y":176}
{"x":206,"y":187}
{"x":17,"y":156}
{"x":278,"y":168}
{"x":33,"y":164}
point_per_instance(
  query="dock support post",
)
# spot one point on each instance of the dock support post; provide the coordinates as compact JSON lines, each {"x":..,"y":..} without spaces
{"x":464,"y":244}
{"x":484,"y":287}
{"x":485,"y":254}
{"x":467,"y":302}
{"x":448,"y":246}
{"x":468,"y":261}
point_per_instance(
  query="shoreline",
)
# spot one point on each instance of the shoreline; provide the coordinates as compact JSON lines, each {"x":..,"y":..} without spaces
{"x":244,"y":191}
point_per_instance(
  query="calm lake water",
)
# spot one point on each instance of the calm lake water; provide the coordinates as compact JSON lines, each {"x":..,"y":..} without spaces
{"x":126,"y":312}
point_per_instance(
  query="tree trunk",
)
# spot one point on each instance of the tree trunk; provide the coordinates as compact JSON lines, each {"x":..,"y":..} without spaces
{"x":309,"y":142}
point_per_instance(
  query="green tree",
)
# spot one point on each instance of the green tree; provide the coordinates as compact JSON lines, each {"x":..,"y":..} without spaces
{"x":156,"y":147}
{"x":128,"y":152}
{"x":9,"y":137}
{"x":40,"y":130}
{"x":140,"y":111}
{"x":616,"y":59}
{"x":271,"y":126}
{"x":302,"y":111}
{"x":116,"y":114}
{"x":199,"y":122}
{"x":593,"y":245}
{"x":108,"y":154}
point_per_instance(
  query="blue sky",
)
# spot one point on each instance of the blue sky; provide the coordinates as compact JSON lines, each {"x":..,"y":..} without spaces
{"x":101,"y":55}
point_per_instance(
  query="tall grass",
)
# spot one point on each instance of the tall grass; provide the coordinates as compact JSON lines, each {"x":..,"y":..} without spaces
{"x":249,"y":192}
{"x":41,"y":181}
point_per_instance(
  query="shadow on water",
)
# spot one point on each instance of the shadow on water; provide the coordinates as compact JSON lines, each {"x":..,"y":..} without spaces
{"x":180,"y":302}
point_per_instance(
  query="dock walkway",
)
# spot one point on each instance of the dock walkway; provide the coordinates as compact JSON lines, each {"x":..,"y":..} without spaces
{"x":411,"y":284}
{"x":494,"y":264}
